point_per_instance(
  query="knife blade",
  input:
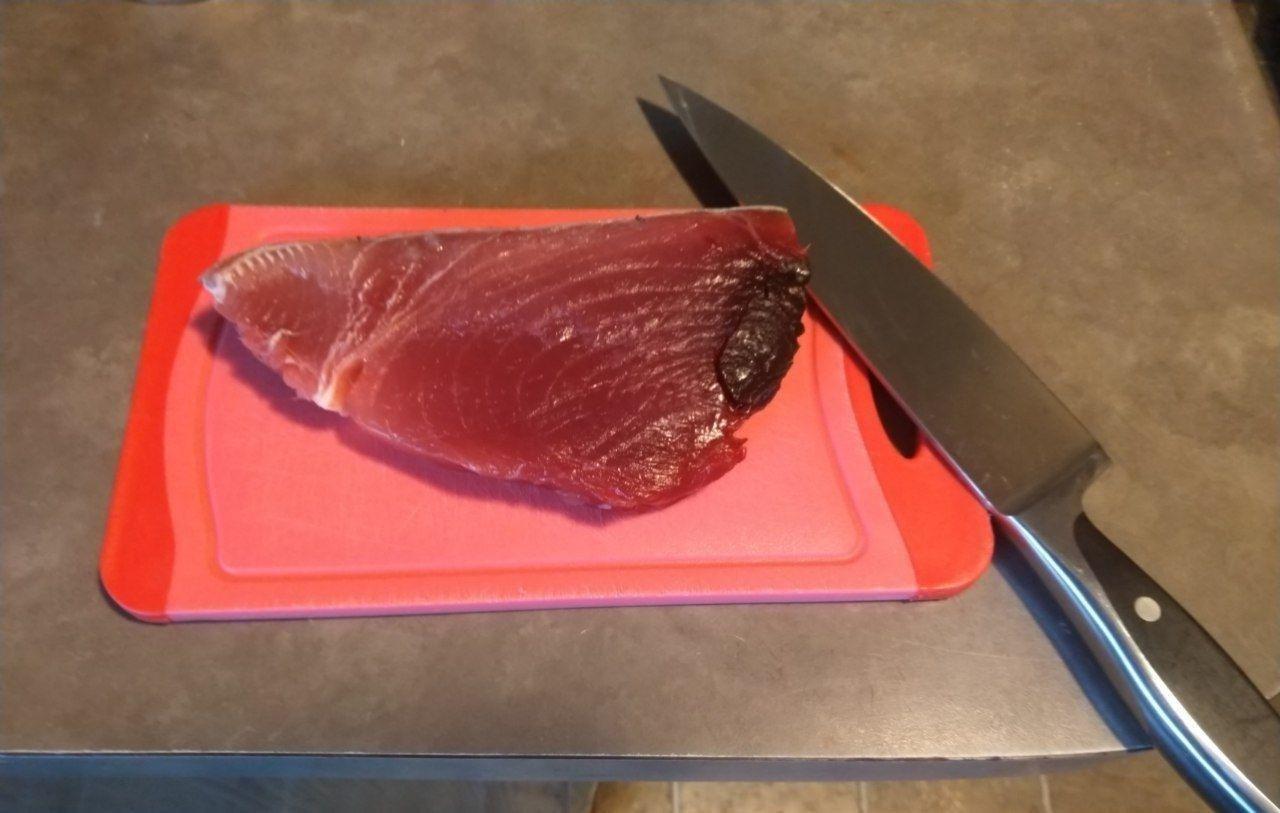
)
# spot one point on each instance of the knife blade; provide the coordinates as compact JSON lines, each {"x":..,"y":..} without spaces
{"x":1022,"y":453}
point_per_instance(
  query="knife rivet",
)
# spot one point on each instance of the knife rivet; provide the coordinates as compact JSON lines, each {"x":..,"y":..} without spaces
{"x":1147,"y":608}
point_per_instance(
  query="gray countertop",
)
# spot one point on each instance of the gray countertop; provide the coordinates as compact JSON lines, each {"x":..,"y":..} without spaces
{"x":1098,"y":180}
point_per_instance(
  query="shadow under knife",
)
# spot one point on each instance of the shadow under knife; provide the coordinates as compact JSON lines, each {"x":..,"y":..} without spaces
{"x":1068,"y":644}
{"x":684,"y":153}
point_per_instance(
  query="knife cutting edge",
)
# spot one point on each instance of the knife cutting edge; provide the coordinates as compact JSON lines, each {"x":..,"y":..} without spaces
{"x":1023,"y":454}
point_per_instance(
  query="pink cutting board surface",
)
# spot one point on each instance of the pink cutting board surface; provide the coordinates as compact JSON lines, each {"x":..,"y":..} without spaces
{"x":236,"y":500}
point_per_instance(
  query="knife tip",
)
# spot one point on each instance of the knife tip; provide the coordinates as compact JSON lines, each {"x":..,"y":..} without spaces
{"x":674,"y":90}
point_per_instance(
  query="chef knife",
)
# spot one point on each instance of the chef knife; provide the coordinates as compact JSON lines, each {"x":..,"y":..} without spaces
{"x":1023,"y":454}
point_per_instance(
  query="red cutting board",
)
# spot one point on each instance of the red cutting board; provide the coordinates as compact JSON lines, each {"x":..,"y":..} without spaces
{"x":236,"y":500}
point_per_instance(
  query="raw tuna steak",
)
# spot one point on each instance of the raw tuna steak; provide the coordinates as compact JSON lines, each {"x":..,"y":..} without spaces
{"x":610,"y":360}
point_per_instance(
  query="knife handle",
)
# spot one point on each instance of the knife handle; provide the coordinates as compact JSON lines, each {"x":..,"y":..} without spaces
{"x":1199,"y":708}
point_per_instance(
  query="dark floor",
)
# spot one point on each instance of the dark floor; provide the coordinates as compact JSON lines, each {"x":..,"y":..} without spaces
{"x":242,"y":795}
{"x":1138,"y":783}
